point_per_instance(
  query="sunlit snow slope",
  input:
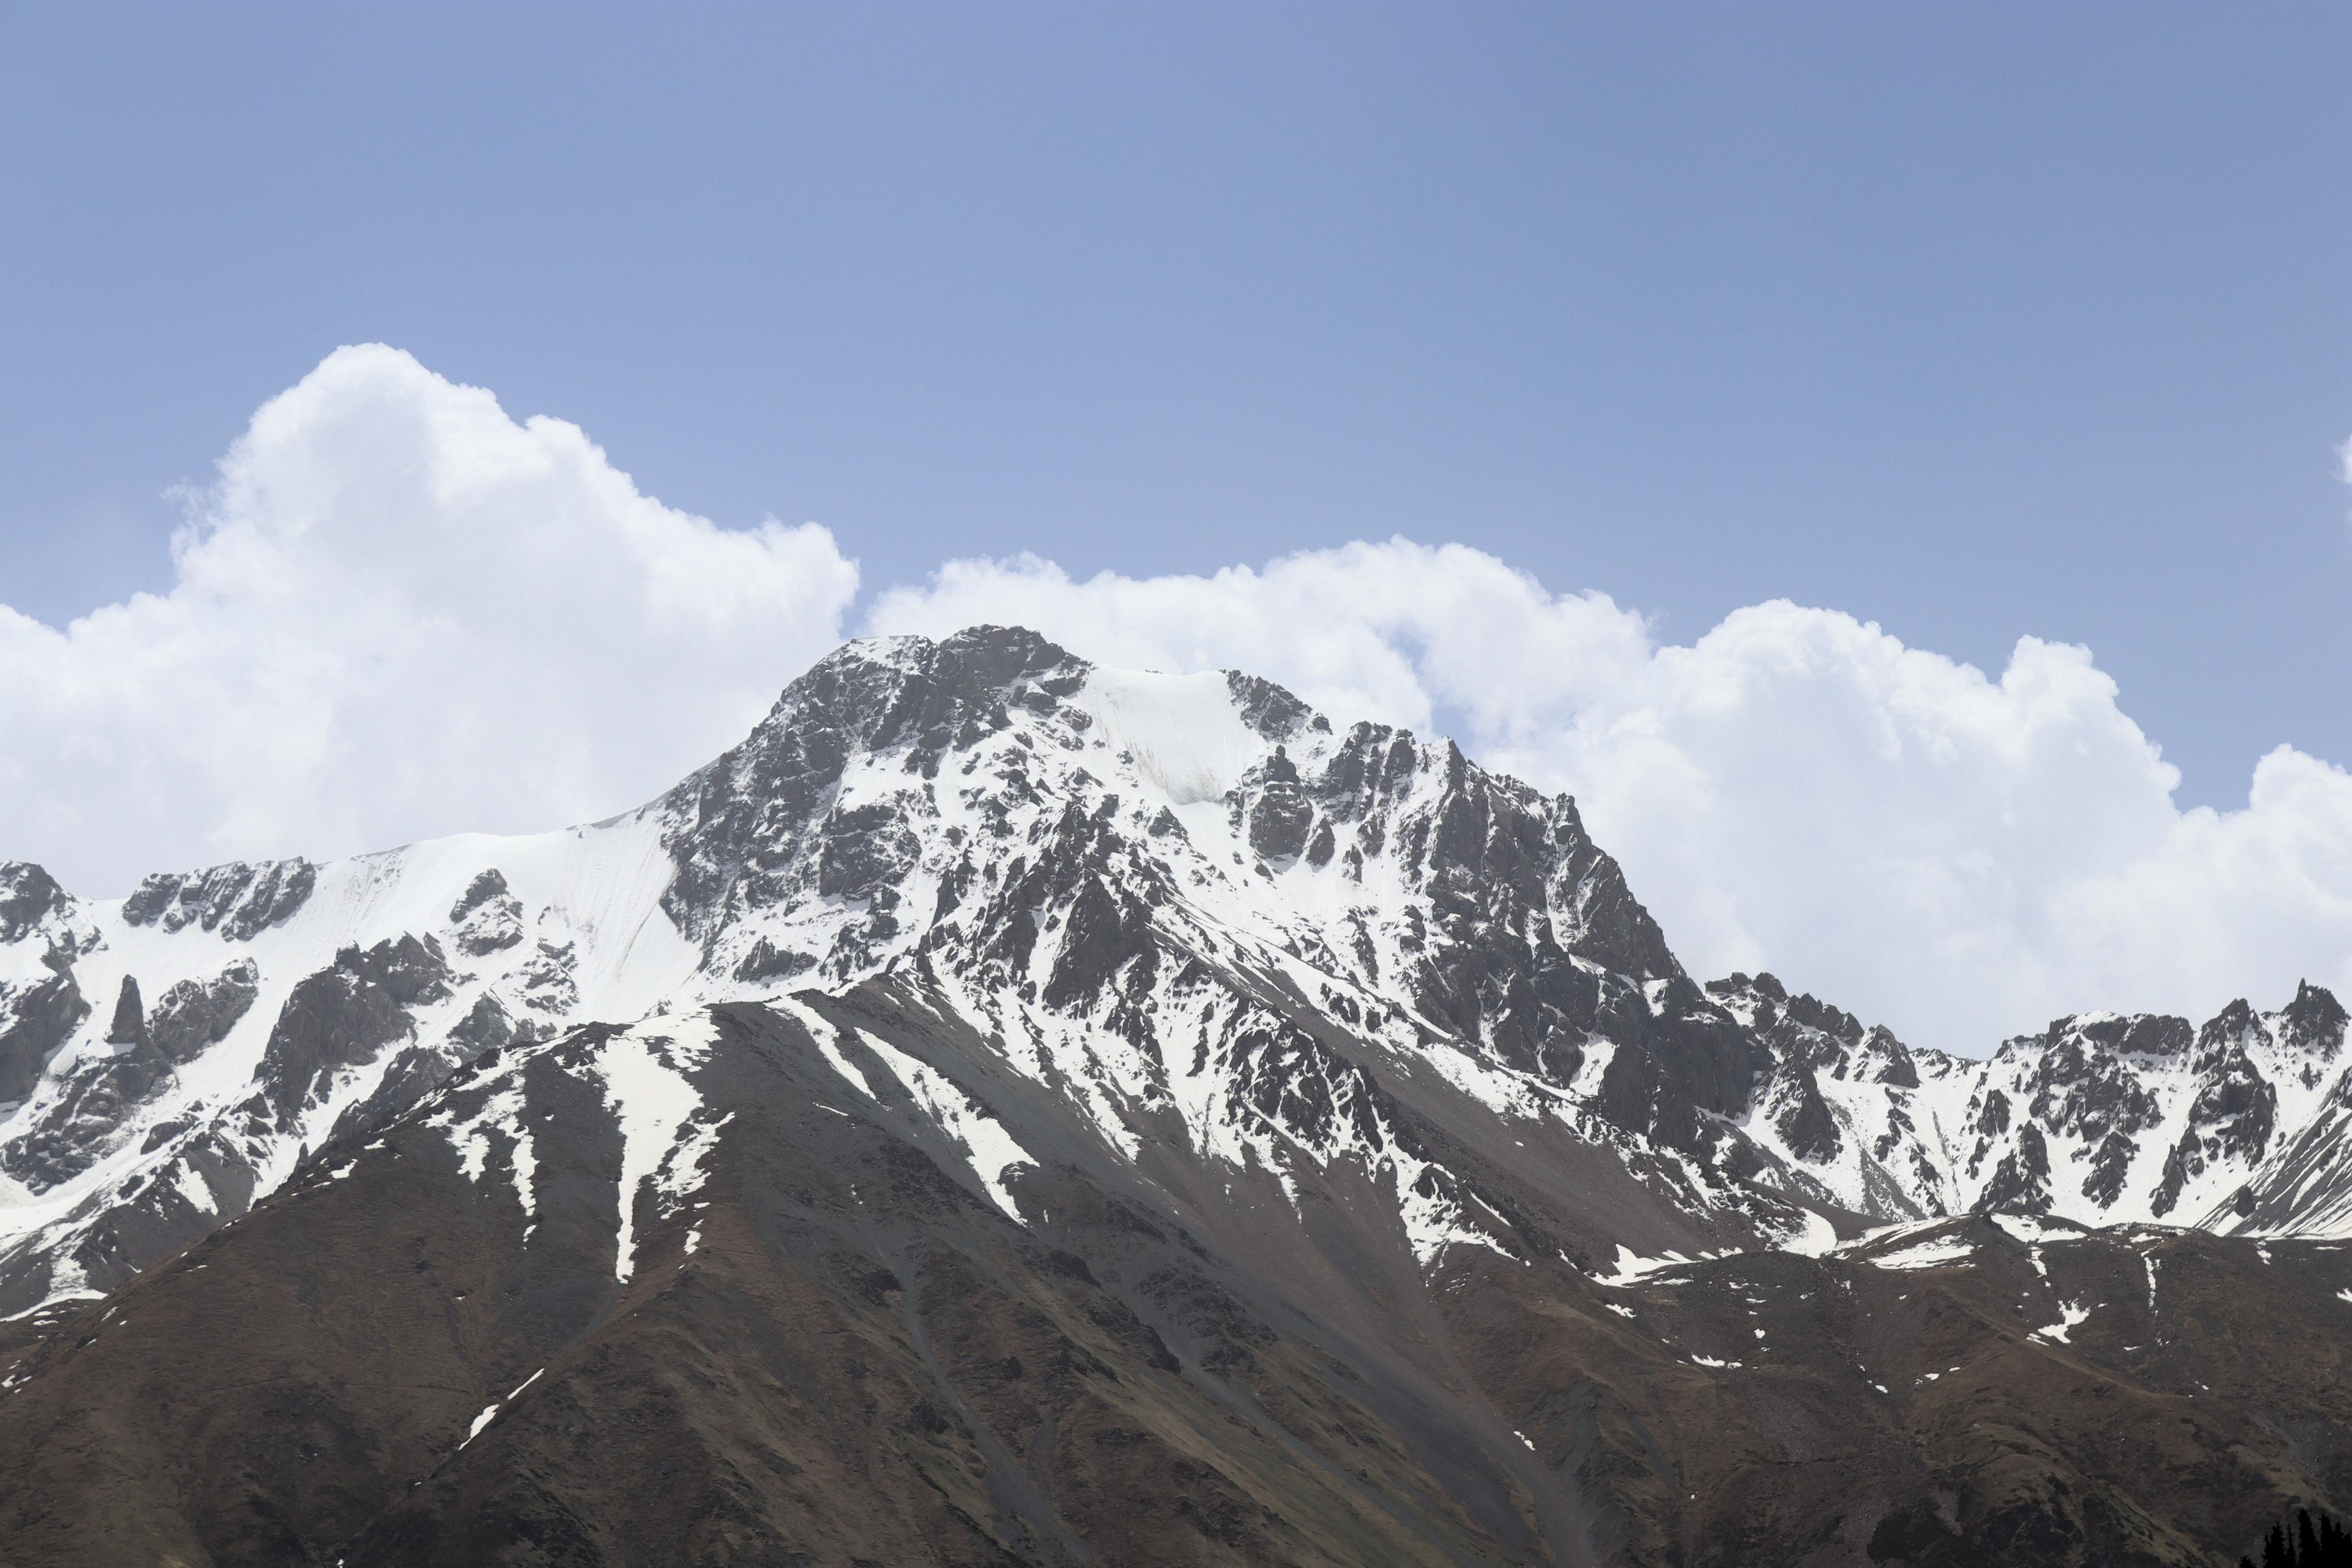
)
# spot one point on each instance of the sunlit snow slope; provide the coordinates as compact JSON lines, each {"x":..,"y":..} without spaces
{"x":1183,"y":919}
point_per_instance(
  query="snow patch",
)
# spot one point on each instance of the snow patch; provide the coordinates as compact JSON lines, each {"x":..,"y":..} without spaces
{"x":1810,"y":1236}
{"x":490,"y":1412}
{"x":1187,"y":741}
{"x":2071,"y":1316}
{"x":989,"y":1149}
{"x":1632,"y":1267}
{"x":1935,"y":1252}
{"x":643,"y":1069}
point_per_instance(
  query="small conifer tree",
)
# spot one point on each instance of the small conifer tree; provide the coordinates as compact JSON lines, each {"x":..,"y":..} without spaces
{"x":2310,"y":1542}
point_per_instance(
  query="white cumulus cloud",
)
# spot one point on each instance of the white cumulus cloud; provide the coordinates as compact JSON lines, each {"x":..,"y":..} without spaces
{"x":398,"y":612}
{"x":1959,"y":855}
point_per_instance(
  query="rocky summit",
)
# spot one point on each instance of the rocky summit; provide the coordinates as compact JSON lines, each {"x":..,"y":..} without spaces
{"x":1010,"y":1111}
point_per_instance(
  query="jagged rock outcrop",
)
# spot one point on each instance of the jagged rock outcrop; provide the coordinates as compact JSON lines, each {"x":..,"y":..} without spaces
{"x":196,"y":1015}
{"x":237,"y":900}
{"x":30,"y":899}
{"x":347,"y":1015}
{"x":37,"y":1017}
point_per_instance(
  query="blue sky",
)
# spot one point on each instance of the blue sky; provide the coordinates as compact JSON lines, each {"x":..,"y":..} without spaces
{"x":1972,"y":321}
{"x":2004,"y":328}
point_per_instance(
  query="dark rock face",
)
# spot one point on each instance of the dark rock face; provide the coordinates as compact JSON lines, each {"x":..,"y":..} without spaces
{"x":2316,"y":1021}
{"x":1895,"y":1066}
{"x":419,"y":1070}
{"x":1803,"y":1043}
{"x":236,"y":900}
{"x":1805,"y":1124}
{"x":547,"y":978}
{"x":2235,"y":1110}
{"x":2080,"y":1085}
{"x":488,"y":918}
{"x":40,"y":1014}
{"x":28,"y":896}
{"x":1493,"y":856}
{"x":2021,"y":1183}
{"x":1270,"y":710}
{"x":491,"y":884}
{"x":1281,"y":818}
{"x":1805,"y":1032}
{"x":192,"y":1016}
{"x":346,"y":1015}
{"x":77,"y":1126}
{"x":743,"y":826}
{"x":130,"y":1026}
{"x":35,"y":1020}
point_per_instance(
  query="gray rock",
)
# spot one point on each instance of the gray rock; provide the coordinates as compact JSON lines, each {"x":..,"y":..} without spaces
{"x":489,"y":885}
{"x":35,"y":1020}
{"x":130,"y":1026}
{"x":28,"y":895}
{"x":193,"y":1015}
{"x":83,"y":1121}
{"x":489,"y":918}
{"x":346,"y":1015}
{"x":239,"y":901}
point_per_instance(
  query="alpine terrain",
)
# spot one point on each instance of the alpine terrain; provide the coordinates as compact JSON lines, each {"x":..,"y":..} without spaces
{"x":1013,"y":1112}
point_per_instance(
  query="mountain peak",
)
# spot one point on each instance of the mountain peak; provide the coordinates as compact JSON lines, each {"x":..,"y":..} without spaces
{"x":1055,"y":849}
{"x":1203,"y":1026}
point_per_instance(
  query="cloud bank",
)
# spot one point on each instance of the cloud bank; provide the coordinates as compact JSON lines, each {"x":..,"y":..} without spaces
{"x":397,"y":614}
{"x":400,"y":613}
{"x":1960,"y":856}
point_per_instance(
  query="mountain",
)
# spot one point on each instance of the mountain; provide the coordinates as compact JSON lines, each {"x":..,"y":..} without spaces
{"x":2237,"y":1126}
{"x":1013,"y":1110}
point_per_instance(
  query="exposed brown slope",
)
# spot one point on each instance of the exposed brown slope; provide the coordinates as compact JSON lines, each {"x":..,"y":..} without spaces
{"x":862,"y":1360}
{"x":1912,"y":1414}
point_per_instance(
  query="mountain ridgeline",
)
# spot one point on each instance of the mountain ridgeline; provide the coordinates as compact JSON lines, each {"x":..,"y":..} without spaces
{"x":1012,"y":1111}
